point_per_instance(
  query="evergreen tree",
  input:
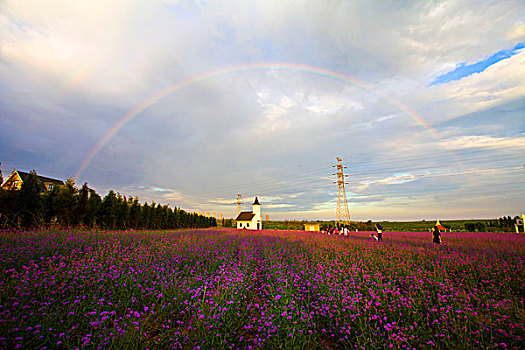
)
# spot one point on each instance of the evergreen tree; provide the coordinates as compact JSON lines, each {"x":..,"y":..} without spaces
{"x":81,"y":208}
{"x":134,"y":213}
{"x":51,"y":213}
{"x":153,"y":216}
{"x":70,"y":206}
{"x":93,"y":208}
{"x":176,"y":218}
{"x":7,"y":208}
{"x":65,"y":203}
{"x":108,"y":210}
{"x":122,"y":212}
{"x":29,"y":204}
{"x":145,"y":216}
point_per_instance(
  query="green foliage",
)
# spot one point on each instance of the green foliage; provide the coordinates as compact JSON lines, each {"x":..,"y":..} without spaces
{"x":7,"y":205}
{"x":108,"y":211}
{"x":29,"y":204}
{"x":93,"y":204}
{"x":65,"y":203}
{"x":69,"y":206}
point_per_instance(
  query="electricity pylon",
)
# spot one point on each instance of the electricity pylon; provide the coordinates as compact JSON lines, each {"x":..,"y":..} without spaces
{"x":342,"y":214}
{"x":239,"y":204}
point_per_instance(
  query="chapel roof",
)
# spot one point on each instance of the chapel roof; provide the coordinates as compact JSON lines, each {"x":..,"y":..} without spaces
{"x":245,"y":216}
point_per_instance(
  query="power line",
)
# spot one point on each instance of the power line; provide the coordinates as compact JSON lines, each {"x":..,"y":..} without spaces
{"x":285,"y":185}
{"x":307,"y":176}
{"x":314,"y":177}
{"x":318,"y":184}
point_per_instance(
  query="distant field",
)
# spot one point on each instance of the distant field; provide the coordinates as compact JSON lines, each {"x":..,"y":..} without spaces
{"x":267,"y":289}
{"x":409,"y":226}
{"x":420,"y":226}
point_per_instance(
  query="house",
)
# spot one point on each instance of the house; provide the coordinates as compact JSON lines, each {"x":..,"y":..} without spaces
{"x":312,"y":227}
{"x":17,"y":177}
{"x":250,"y":220}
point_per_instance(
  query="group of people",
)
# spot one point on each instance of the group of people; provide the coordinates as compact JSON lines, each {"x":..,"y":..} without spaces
{"x":343,"y":231}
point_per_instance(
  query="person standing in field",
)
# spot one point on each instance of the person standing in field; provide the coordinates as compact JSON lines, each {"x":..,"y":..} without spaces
{"x":436,"y":235}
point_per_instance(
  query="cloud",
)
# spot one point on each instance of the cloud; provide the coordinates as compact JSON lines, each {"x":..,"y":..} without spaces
{"x":517,"y":32}
{"x":499,"y":84}
{"x":464,"y":70}
{"x":389,"y":180}
{"x":486,"y":141}
{"x":282,"y":205}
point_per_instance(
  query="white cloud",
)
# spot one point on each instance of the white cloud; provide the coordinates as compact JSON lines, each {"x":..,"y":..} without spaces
{"x":517,"y":32}
{"x":500,"y":83}
{"x":486,"y":141}
{"x":281,"y":205}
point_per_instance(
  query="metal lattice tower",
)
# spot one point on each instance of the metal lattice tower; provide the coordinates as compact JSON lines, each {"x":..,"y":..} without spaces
{"x":342,"y":214}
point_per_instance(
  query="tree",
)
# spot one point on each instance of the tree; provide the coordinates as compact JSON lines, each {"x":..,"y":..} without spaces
{"x":7,"y":205}
{"x":49,"y":203}
{"x":122,"y":212}
{"x":29,"y":205}
{"x":70,"y":206}
{"x":145,"y":215}
{"x":153,"y":216}
{"x":81,"y":208}
{"x":480,"y":227}
{"x":108,"y":212}
{"x":134,"y":212}
{"x":65,"y":203}
{"x":93,"y":208}
{"x":1,"y":177}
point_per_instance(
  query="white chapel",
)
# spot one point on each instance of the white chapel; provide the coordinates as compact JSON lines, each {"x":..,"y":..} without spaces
{"x":250,"y":220}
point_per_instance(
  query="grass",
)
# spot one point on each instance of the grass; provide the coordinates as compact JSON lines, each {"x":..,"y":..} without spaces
{"x":268,"y":289}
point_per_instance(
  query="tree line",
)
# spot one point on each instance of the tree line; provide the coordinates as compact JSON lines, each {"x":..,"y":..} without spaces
{"x":71,"y":207}
{"x":503,"y":224}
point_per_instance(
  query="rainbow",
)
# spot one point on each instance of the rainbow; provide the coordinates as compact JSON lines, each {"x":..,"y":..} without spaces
{"x":255,"y":66}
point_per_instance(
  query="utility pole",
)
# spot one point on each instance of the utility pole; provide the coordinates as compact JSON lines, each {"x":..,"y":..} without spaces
{"x":342,"y":214}
{"x":239,"y":204}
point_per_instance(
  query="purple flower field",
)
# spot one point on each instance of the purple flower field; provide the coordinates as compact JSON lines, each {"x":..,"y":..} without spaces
{"x":267,"y":289}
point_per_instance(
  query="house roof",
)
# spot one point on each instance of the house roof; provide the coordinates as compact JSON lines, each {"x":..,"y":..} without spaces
{"x":245,"y":216}
{"x":256,"y":201}
{"x":23,"y":175}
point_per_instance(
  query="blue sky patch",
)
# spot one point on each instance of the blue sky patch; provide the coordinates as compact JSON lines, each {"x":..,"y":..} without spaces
{"x":464,"y":70}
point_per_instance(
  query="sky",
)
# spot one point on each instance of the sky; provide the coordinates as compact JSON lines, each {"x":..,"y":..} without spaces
{"x":189,"y":103}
